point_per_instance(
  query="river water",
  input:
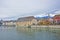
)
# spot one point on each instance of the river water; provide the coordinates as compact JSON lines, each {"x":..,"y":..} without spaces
{"x":17,"y":33}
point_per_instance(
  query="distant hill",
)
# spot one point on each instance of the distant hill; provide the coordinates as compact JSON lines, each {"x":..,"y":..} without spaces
{"x":45,"y":17}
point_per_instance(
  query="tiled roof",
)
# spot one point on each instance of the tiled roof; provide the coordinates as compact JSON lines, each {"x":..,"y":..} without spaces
{"x":29,"y":18}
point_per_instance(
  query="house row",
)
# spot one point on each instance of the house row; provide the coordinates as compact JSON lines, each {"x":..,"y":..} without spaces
{"x":54,"y":20}
{"x":9,"y":23}
{"x":23,"y":21}
{"x":31,"y":20}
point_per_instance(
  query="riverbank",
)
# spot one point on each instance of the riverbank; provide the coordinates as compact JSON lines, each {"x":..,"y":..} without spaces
{"x":34,"y":26}
{"x":51,"y":26}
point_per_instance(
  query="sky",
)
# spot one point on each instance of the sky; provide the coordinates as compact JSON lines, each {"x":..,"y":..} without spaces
{"x":21,"y":8}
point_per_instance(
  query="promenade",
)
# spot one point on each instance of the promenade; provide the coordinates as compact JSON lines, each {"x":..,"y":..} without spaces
{"x":51,"y":26}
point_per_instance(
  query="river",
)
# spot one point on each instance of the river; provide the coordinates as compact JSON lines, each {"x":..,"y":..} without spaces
{"x":17,"y":33}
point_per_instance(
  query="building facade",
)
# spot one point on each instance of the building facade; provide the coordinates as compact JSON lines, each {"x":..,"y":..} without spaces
{"x":26,"y":21}
{"x":56,"y":19}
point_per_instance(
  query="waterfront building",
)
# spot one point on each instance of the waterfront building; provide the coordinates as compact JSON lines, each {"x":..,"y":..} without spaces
{"x":51,"y":20}
{"x":26,"y":21}
{"x":43,"y":22}
{"x":57,"y":19}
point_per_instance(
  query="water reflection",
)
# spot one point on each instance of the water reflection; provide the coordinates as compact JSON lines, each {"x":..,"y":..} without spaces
{"x":41,"y":33}
{"x":17,"y":33}
{"x":37,"y":29}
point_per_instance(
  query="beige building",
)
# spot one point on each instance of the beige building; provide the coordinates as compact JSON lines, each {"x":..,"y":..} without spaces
{"x":26,"y":21}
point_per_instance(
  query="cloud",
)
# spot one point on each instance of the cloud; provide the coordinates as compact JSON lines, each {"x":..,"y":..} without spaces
{"x":55,"y":13}
{"x":58,"y":12}
{"x":12,"y":8}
